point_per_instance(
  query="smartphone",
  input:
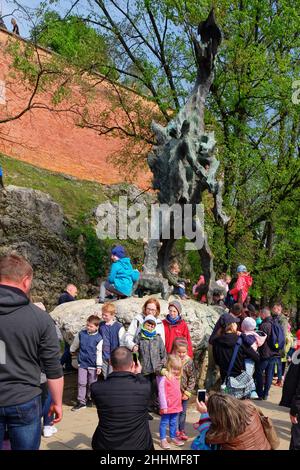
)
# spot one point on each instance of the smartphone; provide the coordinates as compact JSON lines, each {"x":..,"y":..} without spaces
{"x":135,"y":358}
{"x":201,"y":395}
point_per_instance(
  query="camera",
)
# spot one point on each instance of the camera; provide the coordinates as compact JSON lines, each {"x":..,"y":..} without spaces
{"x":201,"y":395}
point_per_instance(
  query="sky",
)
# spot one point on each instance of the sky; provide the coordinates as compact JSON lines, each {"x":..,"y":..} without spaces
{"x":9,"y":8}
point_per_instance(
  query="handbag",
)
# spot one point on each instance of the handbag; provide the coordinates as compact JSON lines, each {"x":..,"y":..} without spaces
{"x":269,"y":430}
{"x":240,"y":386}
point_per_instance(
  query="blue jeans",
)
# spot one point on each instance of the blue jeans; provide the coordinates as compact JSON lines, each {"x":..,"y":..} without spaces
{"x":23,"y":423}
{"x":279,"y":368}
{"x":179,"y":291}
{"x":182,"y":415}
{"x":266,"y":365}
{"x":171,"y":420}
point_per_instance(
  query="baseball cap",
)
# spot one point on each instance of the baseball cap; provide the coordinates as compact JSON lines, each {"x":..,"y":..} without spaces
{"x":241,"y":269}
{"x":226,"y":319}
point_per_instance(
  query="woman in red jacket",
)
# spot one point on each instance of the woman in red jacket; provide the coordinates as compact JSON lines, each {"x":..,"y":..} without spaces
{"x":176,"y":327}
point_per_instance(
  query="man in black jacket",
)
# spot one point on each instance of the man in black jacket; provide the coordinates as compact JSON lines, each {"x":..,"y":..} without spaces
{"x":122,"y":404}
{"x":291,"y":399}
{"x":68,"y":295}
{"x":268,"y":357}
{"x":27,"y":339}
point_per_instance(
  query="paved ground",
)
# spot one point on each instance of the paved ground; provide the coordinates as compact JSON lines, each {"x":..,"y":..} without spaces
{"x":76,"y":429}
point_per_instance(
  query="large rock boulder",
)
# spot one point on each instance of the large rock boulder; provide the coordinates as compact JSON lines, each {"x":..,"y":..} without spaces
{"x":32,"y":224}
{"x":71,"y":317}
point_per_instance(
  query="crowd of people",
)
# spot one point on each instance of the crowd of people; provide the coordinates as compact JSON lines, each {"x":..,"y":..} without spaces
{"x":149,"y":367}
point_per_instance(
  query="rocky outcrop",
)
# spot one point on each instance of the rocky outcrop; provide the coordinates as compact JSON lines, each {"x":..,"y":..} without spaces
{"x":32,"y":224}
{"x":71,"y":317}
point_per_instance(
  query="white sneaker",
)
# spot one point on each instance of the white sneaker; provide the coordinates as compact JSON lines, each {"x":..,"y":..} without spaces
{"x":48,"y":431}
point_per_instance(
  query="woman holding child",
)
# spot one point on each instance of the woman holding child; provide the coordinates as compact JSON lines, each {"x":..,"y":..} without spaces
{"x":229,"y":342}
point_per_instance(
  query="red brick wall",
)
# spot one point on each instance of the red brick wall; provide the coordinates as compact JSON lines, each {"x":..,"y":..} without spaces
{"x":53,"y":141}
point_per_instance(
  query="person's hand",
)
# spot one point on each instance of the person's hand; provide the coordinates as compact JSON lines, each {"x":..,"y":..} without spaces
{"x":201,"y":407}
{"x":137,"y":368}
{"x":135,"y":348}
{"x":294,"y":419}
{"x":163,"y":412}
{"x":238,"y":333}
{"x":57,"y":411}
{"x":74,"y":362}
{"x":99,"y":370}
{"x":184,"y":397}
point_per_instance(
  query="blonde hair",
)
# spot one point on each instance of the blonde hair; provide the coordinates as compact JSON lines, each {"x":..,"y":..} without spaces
{"x":109,"y":308}
{"x":174,"y":264}
{"x":229,"y":416}
{"x":230,"y":328}
{"x":173,"y":362}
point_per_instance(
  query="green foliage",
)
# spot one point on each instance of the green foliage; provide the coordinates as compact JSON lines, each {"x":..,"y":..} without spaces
{"x":73,"y":40}
{"x":95,"y":250}
{"x":77,"y":197}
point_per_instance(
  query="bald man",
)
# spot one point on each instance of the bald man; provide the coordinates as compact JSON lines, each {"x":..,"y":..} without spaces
{"x":68,"y":295}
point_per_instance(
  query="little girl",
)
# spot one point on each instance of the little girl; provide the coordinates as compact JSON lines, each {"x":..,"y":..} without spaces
{"x":169,"y":395}
{"x":187,"y":382}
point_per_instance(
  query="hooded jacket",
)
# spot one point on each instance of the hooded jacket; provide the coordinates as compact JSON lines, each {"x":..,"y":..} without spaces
{"x":122,"y":275}
{"x":243,"y":283}
{"x":122,"y":405}
{"x":152,"y":353}
{"x":27,"y":339}
{"x":223,"y":347}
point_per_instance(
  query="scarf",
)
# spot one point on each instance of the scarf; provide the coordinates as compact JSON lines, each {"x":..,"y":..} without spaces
{"x":147,"y":334}
{"x":173,"y":321}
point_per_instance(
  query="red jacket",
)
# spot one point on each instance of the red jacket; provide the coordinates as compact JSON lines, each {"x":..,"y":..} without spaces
{"x":174,"y":331}
{"x":243,"y":283}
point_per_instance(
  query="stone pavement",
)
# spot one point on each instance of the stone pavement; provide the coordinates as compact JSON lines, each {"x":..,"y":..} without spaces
{"x":76,"y":429}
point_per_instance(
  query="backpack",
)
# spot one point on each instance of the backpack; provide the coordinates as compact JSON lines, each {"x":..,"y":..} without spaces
{"x":229,"y":300}
{"x":277,"y":339}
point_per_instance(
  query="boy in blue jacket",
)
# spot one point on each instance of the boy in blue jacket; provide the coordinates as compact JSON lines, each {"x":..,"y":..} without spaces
{"x":122,"y":276}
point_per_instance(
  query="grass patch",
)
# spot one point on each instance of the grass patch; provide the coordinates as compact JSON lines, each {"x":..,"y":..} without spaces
{"x":77,"y":197}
